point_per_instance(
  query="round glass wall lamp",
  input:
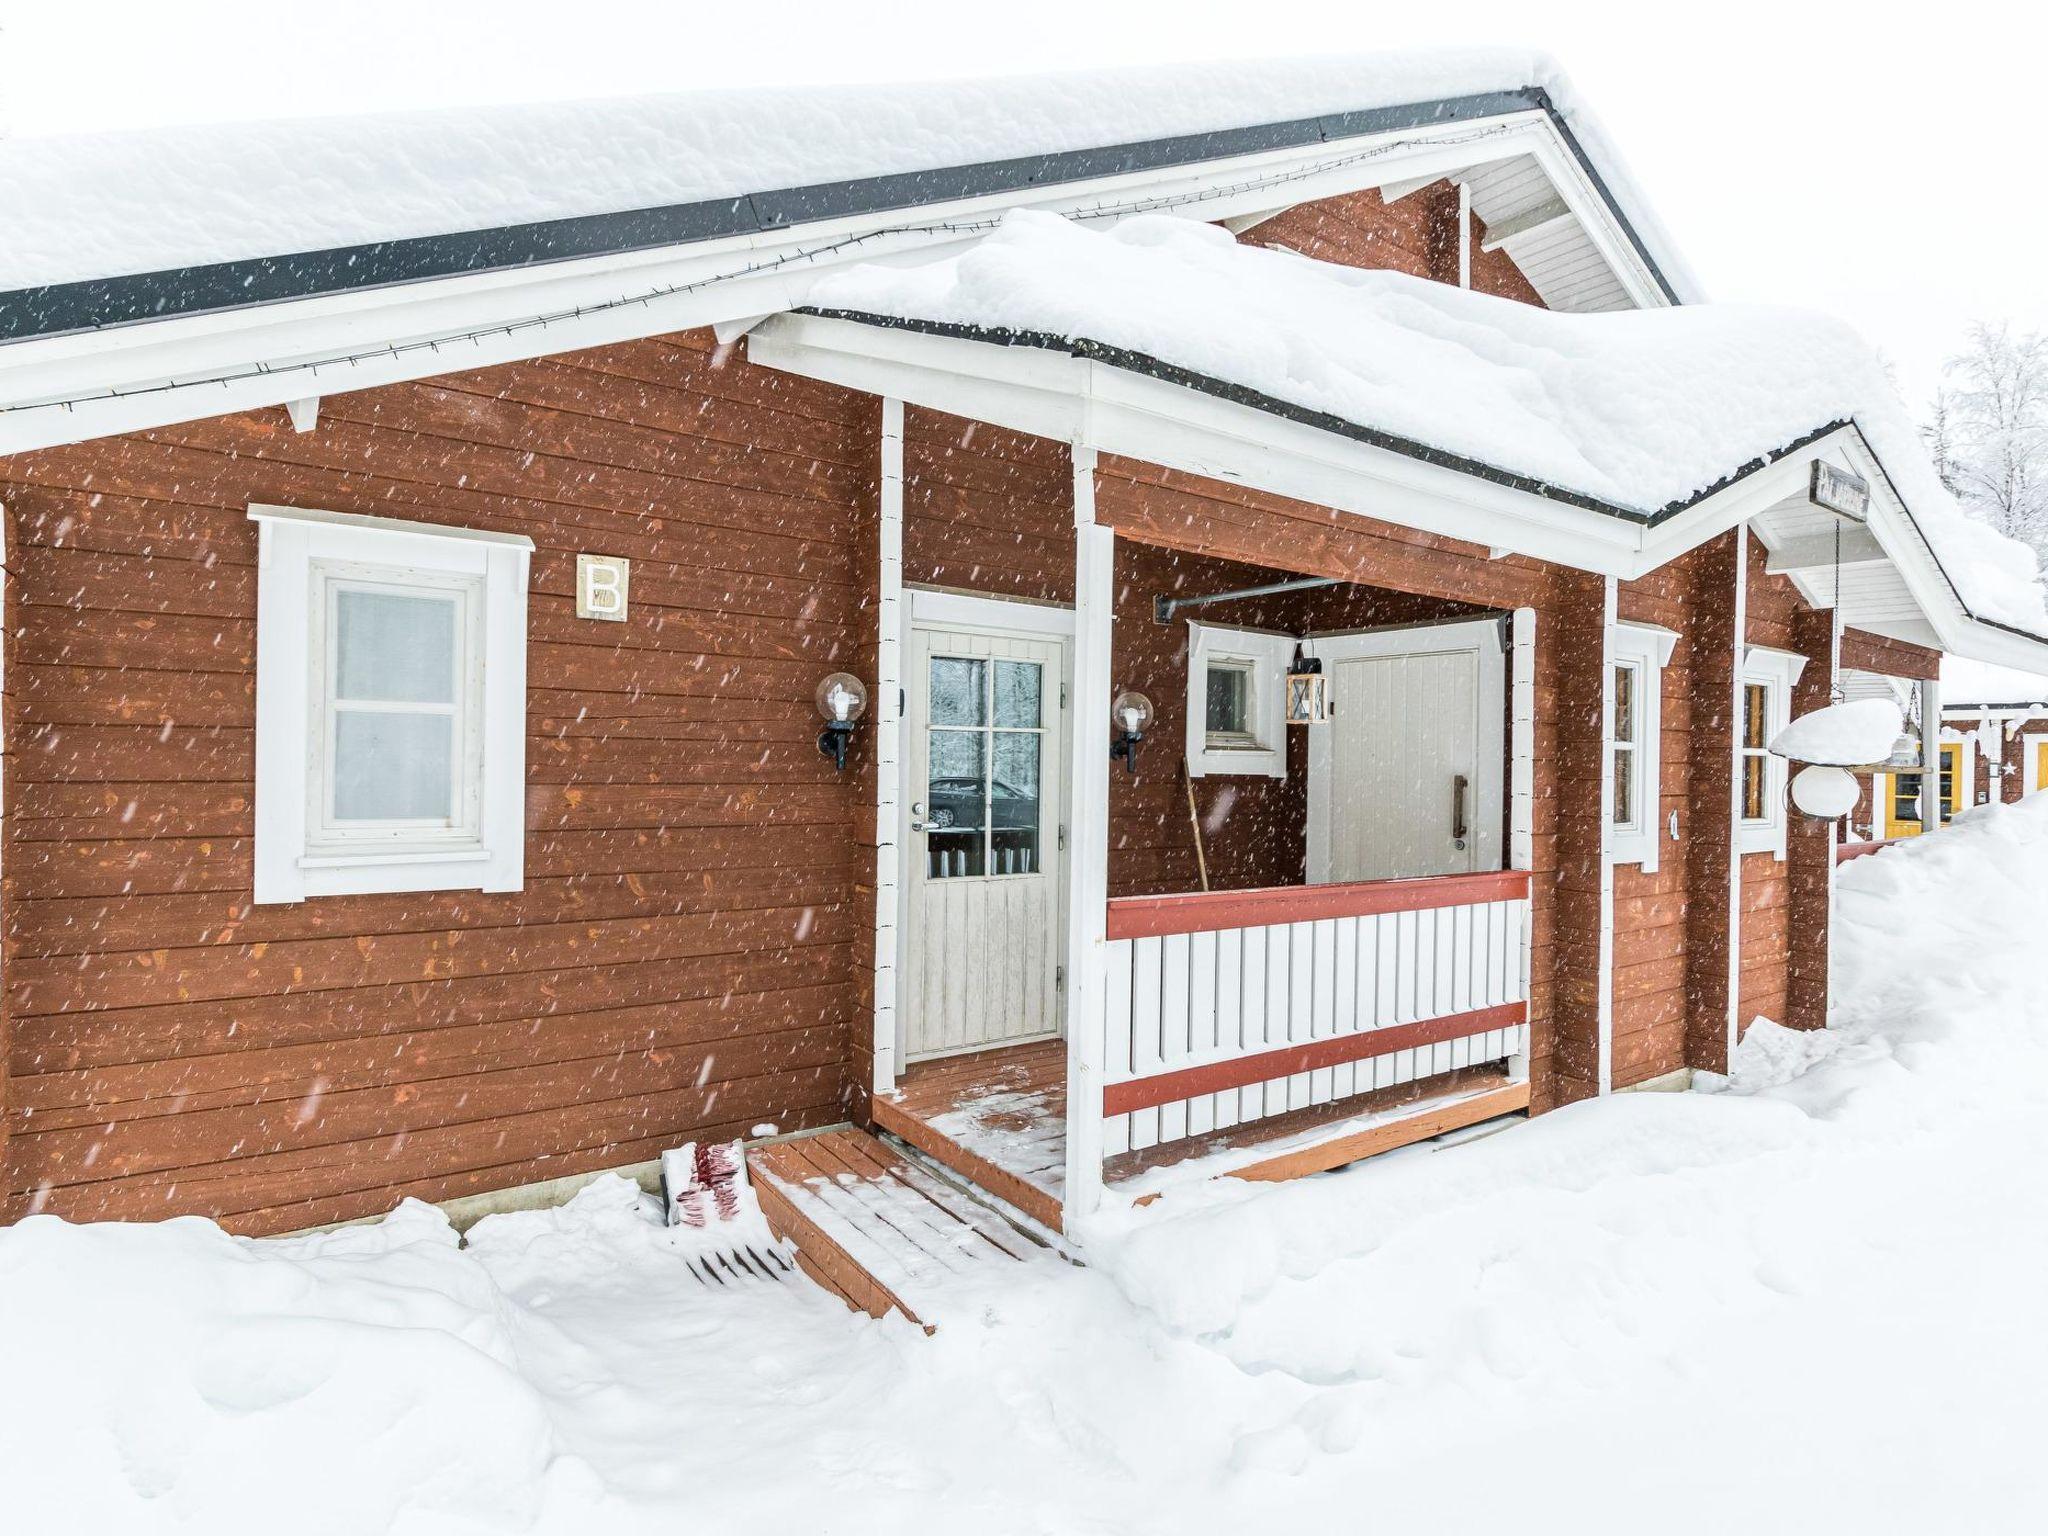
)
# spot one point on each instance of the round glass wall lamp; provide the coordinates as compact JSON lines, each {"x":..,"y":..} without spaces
{"x":1131,"y":713}
{"x":842,"y":699}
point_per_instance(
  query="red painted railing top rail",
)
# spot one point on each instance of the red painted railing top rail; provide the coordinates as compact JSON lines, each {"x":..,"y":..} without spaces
{"x":1149,"y":917}
{"x":1844,"y":852}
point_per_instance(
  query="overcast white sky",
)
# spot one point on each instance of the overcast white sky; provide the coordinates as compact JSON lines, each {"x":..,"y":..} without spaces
{"x":1882,"y":163}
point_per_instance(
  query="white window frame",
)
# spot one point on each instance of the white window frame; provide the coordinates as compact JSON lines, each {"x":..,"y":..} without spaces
{"x":305,"y":557}
{"x":1265,"y":657}
{"x":1646,"y":650}
{"x":1777,"y":672}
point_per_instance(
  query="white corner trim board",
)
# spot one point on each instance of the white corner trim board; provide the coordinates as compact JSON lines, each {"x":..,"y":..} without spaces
{"x":352,"y":615}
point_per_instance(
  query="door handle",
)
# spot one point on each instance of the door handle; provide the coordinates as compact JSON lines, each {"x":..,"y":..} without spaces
{"x":1459,"y":785}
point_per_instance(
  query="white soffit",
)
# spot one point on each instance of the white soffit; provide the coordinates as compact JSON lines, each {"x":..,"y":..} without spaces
{"x":1527,"y":217}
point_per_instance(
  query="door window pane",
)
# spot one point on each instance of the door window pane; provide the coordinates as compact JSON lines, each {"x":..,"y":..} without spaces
{"x":959,"y":691}
{"x":1017,"y":690}
{"x":391,"y":767}
{"x":394,"y":648}
{"x":1624,"y":787}
{"x":956,"y":795}
{"x":1013,"y":804}
{"x":1625,"y":704}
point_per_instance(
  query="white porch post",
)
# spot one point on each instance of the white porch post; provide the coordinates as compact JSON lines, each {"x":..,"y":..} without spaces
{"x":1088,"y":841}
{"x":1930,"y":754}
{"x":1604,"y":985}
{"x":1522,"y":790}
{"x":888,"y":723}
{"x":1735,"y":703}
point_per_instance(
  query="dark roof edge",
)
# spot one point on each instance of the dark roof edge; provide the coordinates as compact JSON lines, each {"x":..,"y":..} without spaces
{"x":1172,"y":373}
{"x":100,"y":303}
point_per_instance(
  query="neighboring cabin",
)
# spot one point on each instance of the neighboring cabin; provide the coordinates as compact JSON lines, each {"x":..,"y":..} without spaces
{"x":372,"y":830}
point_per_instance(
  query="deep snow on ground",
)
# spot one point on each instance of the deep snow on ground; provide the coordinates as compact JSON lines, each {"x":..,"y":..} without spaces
{"x":1810,"y":1301}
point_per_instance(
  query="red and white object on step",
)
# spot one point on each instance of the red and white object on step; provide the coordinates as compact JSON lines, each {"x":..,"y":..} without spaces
{"x":703,"y":1182}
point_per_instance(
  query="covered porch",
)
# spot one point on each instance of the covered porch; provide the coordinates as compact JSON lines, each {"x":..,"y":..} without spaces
{"x":1238,"y":945}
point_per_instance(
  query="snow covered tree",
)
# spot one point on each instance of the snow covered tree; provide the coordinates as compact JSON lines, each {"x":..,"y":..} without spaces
{"x":1990,"y":432}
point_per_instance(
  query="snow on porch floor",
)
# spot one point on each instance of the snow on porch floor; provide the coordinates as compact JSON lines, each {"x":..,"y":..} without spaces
{"x":1810,"y":1303}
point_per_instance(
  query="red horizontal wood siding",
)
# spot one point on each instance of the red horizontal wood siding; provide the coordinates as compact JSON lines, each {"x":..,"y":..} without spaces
{"x":685,"y":958}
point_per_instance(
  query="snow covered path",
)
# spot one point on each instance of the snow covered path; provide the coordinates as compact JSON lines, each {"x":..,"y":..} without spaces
{"x":1811,"y":1302}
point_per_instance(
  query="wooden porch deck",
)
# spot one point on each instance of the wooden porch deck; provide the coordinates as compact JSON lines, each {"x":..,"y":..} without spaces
{"x":998,"y":1118}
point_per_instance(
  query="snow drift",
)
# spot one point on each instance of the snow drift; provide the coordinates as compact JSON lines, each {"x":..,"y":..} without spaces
{"x":1640,"y":410}
{"x":1807,"y":1301}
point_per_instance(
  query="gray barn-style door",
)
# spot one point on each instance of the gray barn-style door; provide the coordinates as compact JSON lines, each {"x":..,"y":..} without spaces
{"x":982,"y":861}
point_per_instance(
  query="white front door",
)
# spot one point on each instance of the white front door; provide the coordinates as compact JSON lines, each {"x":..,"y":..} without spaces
{"x":1405,"y":778}
{"x":982,"y":859}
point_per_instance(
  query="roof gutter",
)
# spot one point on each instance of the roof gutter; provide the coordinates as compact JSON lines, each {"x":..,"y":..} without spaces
{"x":100,"y":303}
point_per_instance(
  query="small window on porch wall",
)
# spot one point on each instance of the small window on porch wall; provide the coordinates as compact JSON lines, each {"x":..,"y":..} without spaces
{"x":1236,"y":701}
{"x":390,"y":706}
{"x":1766,"y":693}
{"x":1637,"y":656}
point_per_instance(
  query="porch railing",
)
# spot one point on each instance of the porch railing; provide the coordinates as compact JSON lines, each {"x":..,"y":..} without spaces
{"x":1234,"y":1006}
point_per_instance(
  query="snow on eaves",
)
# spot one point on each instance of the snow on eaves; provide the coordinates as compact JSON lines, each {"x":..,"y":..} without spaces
{"x":1966,"y":683}
{"x":95,"y":206}
{"x":1641,"y":410}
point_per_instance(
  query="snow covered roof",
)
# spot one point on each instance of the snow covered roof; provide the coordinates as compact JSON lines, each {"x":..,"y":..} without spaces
{"x":574,"y":179}
{"x":1637,"y":413}
{"x":1973,"y":684}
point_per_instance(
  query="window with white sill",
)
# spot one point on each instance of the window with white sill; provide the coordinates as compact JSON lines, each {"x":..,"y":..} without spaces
{"x":1766,"y":693}
{"x":390,"y":706}
{"x":1637,"y":656}
{"x":1236,"y":703}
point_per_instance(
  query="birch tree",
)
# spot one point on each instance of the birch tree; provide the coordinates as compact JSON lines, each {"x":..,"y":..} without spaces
{"x":1989,"y":434}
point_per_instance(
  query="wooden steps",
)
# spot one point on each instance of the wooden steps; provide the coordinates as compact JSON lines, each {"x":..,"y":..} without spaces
{"x":875,"y":1227}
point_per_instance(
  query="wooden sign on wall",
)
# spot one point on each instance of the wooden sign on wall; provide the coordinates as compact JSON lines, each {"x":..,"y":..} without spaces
{"x":601,"y":587}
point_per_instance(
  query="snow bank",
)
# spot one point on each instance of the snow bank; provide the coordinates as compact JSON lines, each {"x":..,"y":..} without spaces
{"x":1638,"y":409}
{"x":101,"y":205}
{"x":1616,"y":1316}
{"x":1846,"y":735}
{"x":361,"y":1380}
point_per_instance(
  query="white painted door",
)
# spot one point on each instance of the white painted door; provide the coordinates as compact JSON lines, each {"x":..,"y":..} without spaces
{"x":982,"y":879}
{"x":1405,"y":778}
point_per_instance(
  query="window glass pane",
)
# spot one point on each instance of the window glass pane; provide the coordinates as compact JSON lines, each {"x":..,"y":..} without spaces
{"x":957,"y":792}
{"x":1625,"y":704}
{"x":1229,"y":701}
{"x":1906,"y":797}
{"x":394,"y":648}
{"x":1755,"y":715}
{"x":1013,"y":804}
{"x":1624,"y":786}
{"x":393,"y":767}
{"x":1753,"y":798}
{"x":959,"y":691}
{"x":1017,"y":689}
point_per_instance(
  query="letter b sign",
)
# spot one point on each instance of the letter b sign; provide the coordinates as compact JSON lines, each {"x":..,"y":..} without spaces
{"x":601,"y":586}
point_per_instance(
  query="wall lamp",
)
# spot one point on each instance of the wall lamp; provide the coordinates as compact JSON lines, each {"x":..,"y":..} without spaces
{"x":842,"y":699}
{"x":1131,"y":713}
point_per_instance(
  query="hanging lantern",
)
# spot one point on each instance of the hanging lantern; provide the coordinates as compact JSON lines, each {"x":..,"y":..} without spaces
{"x":1308,"y":691}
